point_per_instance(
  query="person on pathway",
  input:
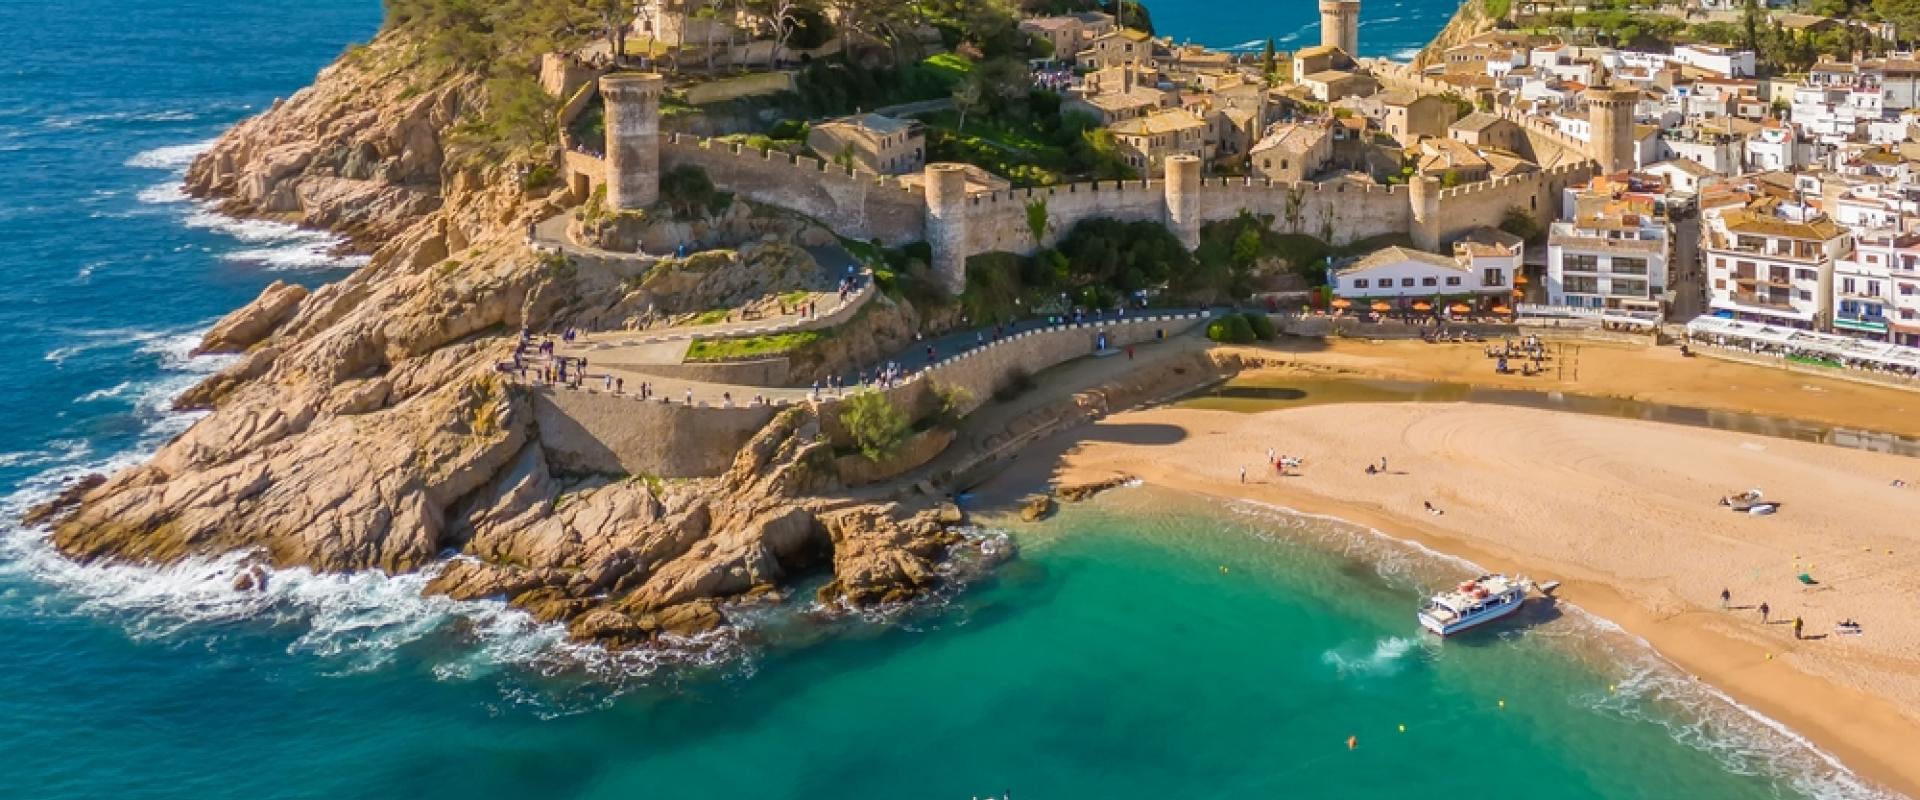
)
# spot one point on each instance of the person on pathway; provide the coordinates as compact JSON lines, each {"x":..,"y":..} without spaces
{"x":619,"y":385}
{"x":689,"y":395}
{"x":1725,"y":597}
{"x":1798,"y":625}
{"x":1764,"y":611}
{"x":1129,"y":352}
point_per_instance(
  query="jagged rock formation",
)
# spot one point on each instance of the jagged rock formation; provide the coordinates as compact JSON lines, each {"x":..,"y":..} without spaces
{"x":1472,"y":19}
{"x":366,"y":425}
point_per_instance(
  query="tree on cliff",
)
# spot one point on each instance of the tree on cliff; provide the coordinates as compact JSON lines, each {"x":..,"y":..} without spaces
{"x":877,"y":427}
{"x":1904,"y":14}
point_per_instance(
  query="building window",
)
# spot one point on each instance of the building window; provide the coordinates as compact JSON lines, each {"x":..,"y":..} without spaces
{"x":1493,"y":277}
{"x":1407,"y":282}
{"x":1846,"y":285}
{"x":1453,"y":280}
{"x":1429,"y":281}
{"x":1581,"y":263}
{"x":1359,"y":283}
{"x":1805,"y":275}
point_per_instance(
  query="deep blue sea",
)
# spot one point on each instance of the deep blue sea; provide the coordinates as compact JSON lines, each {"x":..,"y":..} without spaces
{"x":1144,"y":647}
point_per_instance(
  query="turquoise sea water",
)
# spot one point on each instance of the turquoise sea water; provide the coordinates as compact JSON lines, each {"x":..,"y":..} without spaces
{"x":1113,"y":659}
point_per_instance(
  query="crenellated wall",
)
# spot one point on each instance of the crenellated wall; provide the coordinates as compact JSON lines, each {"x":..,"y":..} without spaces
{"x":864,"y":205}
{"x":854,"y":203}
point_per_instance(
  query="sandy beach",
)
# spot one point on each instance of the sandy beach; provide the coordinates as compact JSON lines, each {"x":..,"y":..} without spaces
{"x":1636,"y":372}
{"x":1625,"y":514}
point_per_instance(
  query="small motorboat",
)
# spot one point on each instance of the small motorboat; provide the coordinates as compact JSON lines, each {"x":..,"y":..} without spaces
{"x":1473,"y":603}
{"x":1750,"y":501}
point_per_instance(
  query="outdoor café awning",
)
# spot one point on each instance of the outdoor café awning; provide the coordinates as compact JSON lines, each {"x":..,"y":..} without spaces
{"x":1826,"y":345}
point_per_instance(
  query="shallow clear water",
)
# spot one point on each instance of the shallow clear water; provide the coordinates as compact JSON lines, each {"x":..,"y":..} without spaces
{"x":1113,"y":659}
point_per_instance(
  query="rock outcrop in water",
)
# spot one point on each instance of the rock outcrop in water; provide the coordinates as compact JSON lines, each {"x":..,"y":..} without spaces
{"x":365,"y":425}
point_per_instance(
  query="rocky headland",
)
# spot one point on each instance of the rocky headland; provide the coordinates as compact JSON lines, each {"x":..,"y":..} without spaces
{"x":366,"y":426}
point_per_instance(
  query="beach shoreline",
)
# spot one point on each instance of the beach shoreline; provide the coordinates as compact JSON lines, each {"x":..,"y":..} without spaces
{"x":1860,"y":705}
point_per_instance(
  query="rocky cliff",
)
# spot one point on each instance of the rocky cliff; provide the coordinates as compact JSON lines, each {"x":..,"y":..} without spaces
{"x":366,"y":425}
{"x":1472,"y":19}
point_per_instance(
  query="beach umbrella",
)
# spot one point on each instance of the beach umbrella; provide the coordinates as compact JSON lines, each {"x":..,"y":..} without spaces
{"x":1459,"y":308}
{"x":1343,"y":303}
{"x":1422,"y":305}
{"x":1381,"y":305}
{"x":1517,"y":294}
{"x":1519,"y":279}
{"x":1502,"y":310}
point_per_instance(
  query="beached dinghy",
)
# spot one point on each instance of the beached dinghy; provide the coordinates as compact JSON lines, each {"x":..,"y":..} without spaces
{"x":1474,"y":603}
{"x":1750,"y":501}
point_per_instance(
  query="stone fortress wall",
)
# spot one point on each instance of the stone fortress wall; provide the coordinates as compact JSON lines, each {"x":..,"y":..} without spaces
{"x":958,"y":224}
{"x":590,"y":431}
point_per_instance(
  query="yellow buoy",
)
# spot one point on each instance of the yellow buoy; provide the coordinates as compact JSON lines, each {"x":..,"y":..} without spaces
{"x":1503,"y":704}
{"x":1611,"y":688}
{"x":1223,"y":569}
{"x":1403,"y":727}
{"x":1353,"y":742}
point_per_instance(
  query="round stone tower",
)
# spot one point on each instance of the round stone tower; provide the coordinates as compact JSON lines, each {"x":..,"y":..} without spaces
{"x":1340,"y":25}
{"x":633,"y":138}
{"x":1183,"y":199}
{"x":947,"y":224}
{"x":1426,"y":213}
{"x":1610,"y":111}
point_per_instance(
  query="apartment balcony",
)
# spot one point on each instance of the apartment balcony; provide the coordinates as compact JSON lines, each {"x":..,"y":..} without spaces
{"x":1861,"y":323}
{"x":1752,"y":284}
{"x":1774,"y":302}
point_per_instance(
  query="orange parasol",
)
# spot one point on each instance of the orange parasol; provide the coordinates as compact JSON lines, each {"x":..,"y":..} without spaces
{"x":1502,"y":310}
{"x":1422,"y":305}
{"x":1517,"y":294}
{"x":1519,"y":279}
{"x":1342,"y":303}
{"x":1381,"y":305}
{"x":1460,"y":308}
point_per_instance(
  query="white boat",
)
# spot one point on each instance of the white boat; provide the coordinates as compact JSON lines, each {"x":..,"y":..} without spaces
{"x":1474,"y":603}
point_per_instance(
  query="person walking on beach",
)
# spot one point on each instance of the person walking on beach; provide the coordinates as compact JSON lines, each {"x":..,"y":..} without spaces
{"x":1383,"y":463}
{"x":1764,"y":610}
{"x":1243,"y":474}
{"x":1725,"y":597}
{"x":1798,"y":625}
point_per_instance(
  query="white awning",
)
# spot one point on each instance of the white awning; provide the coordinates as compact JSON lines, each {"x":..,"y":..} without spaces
{"x":1827,"y":345}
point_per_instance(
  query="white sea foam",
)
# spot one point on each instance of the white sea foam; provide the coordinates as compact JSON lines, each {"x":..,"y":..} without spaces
{"x":1406,"y":53}
{"x":1654,"y":690}
{"x":1385,"y":656}
{"x":171,"y":157}
{"x":161,"y":194}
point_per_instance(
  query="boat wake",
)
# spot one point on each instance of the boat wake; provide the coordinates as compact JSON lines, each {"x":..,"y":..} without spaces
{"x":1386,"y":656}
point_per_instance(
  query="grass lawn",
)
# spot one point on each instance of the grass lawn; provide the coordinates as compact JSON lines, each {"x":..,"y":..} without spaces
{"x":713,"y":317}
{"x":708,"y":350}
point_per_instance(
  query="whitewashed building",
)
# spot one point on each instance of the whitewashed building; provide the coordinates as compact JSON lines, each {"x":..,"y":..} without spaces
{"x":1614,"y":262}
{"x":1397,"y":273}
{"x":1773,"y":266}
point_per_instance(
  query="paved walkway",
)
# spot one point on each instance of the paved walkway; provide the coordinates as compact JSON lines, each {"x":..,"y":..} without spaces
{"x":910,"y":363}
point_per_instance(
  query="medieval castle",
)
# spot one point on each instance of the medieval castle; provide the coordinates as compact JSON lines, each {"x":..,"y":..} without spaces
{"x":959,"y":221}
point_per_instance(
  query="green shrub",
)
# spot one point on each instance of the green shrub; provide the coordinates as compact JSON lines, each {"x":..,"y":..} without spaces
{"x":1231,"y":330}
{"x":1262,"y":326}
{"x":877,"y":427}
{"x":789,"y":129}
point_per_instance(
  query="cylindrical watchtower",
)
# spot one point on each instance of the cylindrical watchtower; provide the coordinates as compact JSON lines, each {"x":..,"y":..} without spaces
{"x":1610,"y":111}
{"x":1426,"y":212}
{"x":633,"y":138}
{"x":947,"y":224}
{"x":1183,"y":199}
{"x":1340,"y":25}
